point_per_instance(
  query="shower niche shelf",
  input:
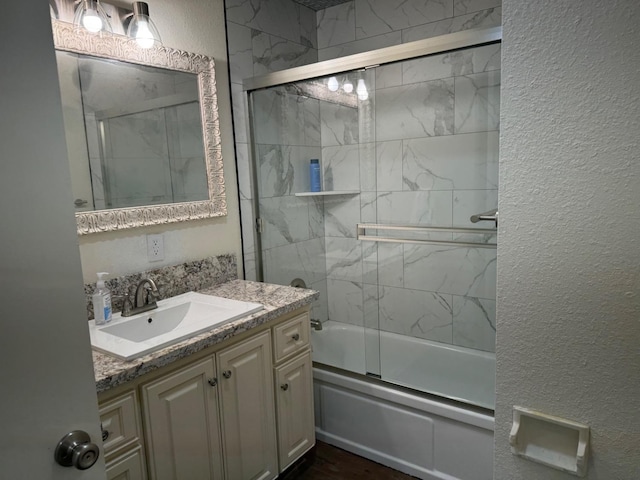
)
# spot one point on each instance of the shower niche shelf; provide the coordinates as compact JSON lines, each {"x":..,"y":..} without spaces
{"x":327,"y":193}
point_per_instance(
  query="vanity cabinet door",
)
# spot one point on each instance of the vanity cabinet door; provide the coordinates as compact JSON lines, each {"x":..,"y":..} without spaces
{"x":182,"y":428}
{"x":127,"y":467}
{"x":294,"y":399}
{"x":247,"y":409}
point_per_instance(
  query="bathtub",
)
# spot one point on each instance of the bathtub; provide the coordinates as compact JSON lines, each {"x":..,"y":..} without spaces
{"x":417,"y":433}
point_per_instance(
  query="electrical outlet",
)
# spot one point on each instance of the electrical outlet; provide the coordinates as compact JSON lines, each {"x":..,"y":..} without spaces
{"x":155,"y":248}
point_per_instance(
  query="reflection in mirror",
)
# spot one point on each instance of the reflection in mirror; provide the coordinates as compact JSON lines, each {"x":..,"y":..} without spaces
{"x":142,"y":129}
{"x":134,"y":133}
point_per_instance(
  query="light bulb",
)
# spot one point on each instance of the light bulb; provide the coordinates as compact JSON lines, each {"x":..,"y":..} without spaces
{"x":348,"y":86}
{"x":332,"y":84}
{"x":144,"y":37}
{"x":91,"y":21}
{"x":361,"y":90}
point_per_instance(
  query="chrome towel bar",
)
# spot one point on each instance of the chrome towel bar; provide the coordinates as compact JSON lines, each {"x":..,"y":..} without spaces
{"x":361,"y":234}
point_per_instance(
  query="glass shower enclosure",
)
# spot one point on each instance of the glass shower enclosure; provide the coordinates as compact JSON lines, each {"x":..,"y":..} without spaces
{"x":401,"y":239}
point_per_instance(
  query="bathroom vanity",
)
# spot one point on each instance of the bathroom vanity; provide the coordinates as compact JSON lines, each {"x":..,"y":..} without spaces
{"x":232,"y":403}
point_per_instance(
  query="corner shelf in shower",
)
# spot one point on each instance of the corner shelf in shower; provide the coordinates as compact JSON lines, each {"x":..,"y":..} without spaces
{"x":327,"y":193}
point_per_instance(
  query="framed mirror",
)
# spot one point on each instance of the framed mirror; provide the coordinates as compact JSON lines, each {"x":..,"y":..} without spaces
{"x":142,"y":131}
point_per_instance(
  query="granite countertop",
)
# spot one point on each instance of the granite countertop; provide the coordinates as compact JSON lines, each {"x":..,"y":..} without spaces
{"x":277,"y":300}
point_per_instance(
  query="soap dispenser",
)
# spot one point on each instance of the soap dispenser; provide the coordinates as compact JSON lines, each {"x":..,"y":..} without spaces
{"x":101,"y":301}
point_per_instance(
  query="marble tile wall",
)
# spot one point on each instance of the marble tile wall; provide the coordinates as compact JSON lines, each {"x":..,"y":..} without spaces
{"x":437,"y":165}
{"x":362,"y":25}
{"x":433,"y":161}
{"x":287,"y":136}
{"x":265,"y":36}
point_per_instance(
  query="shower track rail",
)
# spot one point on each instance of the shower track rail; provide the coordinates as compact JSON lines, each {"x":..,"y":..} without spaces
{"x":361,"y":234}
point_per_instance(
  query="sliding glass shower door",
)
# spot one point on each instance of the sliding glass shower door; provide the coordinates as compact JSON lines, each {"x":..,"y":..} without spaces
{"x":394,"y":243}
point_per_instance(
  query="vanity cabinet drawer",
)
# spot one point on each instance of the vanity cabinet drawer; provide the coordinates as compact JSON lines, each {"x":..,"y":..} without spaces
{"x":291,"y":337}
{"x":120,"y":424}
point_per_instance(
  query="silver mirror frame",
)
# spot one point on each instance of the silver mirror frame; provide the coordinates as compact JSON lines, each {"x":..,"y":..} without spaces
{"x":67,"y":38}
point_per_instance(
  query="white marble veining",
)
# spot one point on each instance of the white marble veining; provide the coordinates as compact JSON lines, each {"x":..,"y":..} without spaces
{"x":286,"y":220}
{"x":339,"y":124}
{"x":472,"y":202}
{"x":240,"y":52}
{"x":359,"y":46}
{"x":276,"y":17}
{"x":239,"y":107}
{"x":305,"y":260}
{"x":491,"y":17}
{"x":468,"y":161}
{"x":336,"y":25}
{"x":370,"y":265}
{"x":344,"y":258}
{"x":461,"y":62}
{"x":429,"y":208}
{"x":272,"y":53}
{"x":277,"y":300}
{"x":346,"y":303}
{"x":474,"y":323}
{"x":368,"y":207}
{"x":244,"y":171}
{"x":460,"y":7}
{"x":477,"y":102}
{"x":375,"y":17}
{"x":298,"y":118}
{"x":389,"y":75}
{"x":368,"y":174}
{"x":418,"y":110}
{"x":391,"y":264}
{"x":341,"y":216}
{"x":320,"y":306}
{"x":389,"y":165}
{"x":452,"y":270}
{"x":416,"y":313}
{"x":340,"y":167}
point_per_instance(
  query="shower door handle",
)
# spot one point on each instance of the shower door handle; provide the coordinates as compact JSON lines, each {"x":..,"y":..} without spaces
{"x":490,"y":216}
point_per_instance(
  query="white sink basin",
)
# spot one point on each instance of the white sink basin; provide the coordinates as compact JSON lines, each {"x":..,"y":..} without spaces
{"x":175,"y":319}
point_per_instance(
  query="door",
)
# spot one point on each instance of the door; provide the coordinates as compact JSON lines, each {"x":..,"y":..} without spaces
{"x":180,"y":444}
{"x":46,"y":370}
{"x":247,"y":410}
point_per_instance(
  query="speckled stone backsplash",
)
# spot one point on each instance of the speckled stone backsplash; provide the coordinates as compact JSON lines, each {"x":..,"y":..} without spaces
{"x":171,"y":281}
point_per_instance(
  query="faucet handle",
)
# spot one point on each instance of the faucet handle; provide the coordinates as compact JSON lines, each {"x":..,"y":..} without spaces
{"x":127,"y":305}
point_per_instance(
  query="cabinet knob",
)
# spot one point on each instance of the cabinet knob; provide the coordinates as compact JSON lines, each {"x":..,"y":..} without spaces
{"x":213,"y":381}
{"x":295,"y":336}
{"x":105,"y":433}
{"x":226,"y":374}
{"x":284,"y":386}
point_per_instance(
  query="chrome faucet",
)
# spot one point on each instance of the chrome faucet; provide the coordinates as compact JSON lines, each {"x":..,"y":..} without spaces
{"x":145,"y":298}
{"x":316,"y":324}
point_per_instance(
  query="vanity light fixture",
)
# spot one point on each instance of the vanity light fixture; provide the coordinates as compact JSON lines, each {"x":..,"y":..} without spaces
{"x":361,"y":90}
{"x":91,"y":16}
{"x":333,"y":84}
{"x":347,"y":86}
{"x":141,"y":28}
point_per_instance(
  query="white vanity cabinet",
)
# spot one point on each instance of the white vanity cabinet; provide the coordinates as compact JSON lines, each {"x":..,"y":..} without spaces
{"x":122,"y":438}
{"x":294,"y":389}
{"x":182,"y":425}
{"x":239,"y":410}
{"x":247,"y":409}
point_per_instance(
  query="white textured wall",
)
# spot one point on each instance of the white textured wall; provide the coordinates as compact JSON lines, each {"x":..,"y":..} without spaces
{"x":196,"y":26}
{"x":569,"y":253}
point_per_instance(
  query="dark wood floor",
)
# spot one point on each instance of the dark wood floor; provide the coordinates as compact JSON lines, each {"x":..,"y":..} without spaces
{"x":330,"y":463}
